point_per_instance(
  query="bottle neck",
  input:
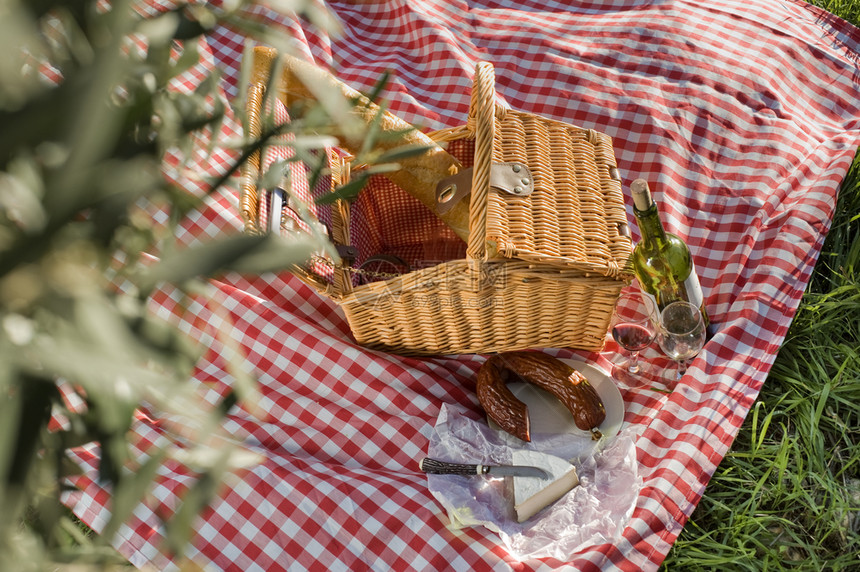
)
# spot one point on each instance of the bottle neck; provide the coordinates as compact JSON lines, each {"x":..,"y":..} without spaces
{"x":650,"y":226}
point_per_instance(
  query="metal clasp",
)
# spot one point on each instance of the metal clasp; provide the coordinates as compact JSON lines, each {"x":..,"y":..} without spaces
{"x":512,"y":178}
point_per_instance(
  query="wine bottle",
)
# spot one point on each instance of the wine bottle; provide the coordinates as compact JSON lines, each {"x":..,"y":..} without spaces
{"x":661,"y":260}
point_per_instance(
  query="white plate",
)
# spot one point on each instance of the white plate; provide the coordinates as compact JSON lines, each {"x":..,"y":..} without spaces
{"x":548,"y":416}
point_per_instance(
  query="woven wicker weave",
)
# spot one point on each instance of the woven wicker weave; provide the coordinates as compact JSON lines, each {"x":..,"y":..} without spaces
{"x":538,"y":271}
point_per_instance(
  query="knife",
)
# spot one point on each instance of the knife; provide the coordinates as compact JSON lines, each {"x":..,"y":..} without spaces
{"x":276,"y":206}
{"x":436,"y":467}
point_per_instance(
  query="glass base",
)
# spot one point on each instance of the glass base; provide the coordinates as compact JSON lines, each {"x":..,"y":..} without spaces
{"x":675,"y":372}
{"x":632,"y":375}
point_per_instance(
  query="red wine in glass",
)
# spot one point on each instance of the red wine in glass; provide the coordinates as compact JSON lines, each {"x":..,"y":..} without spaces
{"x":632,"y":337}
{"x":633,"y":328}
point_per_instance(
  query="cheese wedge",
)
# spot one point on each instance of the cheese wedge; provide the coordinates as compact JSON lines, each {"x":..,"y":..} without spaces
{"x":531,"y":494}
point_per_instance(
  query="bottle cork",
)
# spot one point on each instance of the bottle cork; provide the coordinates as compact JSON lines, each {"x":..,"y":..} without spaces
{"x":641,"y":195}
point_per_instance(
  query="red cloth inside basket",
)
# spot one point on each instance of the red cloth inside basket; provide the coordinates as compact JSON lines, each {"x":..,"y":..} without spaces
{"x":392,"y":231}
{"x":395,"y":233}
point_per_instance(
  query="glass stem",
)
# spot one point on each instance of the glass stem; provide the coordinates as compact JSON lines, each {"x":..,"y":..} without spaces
{"x":633,"y":365}
{"x":682,"y":368}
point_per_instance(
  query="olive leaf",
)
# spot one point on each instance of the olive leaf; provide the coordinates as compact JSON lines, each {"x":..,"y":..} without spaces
{"x":81,"y":256}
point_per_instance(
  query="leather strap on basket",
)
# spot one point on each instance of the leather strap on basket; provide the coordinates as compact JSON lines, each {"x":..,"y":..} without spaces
{"x":481,"y":111}
{"x":511,"y":177}
{"x":266,"y":84}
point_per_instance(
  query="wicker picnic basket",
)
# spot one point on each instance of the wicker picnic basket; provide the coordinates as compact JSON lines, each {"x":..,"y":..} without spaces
{"x":545,"y":255}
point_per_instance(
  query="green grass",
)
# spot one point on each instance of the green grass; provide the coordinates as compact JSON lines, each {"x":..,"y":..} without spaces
{"x":787,"y":495}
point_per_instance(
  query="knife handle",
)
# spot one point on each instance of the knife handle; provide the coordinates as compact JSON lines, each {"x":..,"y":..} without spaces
{"x":436,"y":467}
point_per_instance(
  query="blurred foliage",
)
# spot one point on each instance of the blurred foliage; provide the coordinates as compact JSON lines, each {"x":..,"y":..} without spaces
{"x":88,"y":112}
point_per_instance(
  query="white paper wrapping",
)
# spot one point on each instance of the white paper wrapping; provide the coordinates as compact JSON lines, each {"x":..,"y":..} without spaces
{"x":592,"y":513}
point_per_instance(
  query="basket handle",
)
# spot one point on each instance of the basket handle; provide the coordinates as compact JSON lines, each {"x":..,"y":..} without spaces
{"x":482,"y":113}
{"x":251,"y":168}
{"x":263,"y":62}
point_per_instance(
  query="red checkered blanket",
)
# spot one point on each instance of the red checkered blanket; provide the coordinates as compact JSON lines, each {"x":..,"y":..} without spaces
{"x":744,"y":118}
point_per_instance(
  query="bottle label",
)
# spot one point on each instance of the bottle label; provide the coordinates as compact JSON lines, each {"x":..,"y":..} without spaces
{"x":689,"y":290}
{"x":695,"y":294}
{"x":693,"y":289}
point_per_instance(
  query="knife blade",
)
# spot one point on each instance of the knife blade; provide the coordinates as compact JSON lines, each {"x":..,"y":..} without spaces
{"x":277,"y":201}
{"x":437,"y":467}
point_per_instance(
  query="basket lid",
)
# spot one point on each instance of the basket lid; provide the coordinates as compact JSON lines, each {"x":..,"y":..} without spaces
{"x":564,"y":206}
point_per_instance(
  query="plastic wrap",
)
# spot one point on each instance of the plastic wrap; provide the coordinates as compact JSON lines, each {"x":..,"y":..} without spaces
{"x":592,"y":513}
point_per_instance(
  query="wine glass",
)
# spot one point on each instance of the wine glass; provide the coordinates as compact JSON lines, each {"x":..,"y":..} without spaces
{"x":681,"y":334}
{"x":633,"y":327}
